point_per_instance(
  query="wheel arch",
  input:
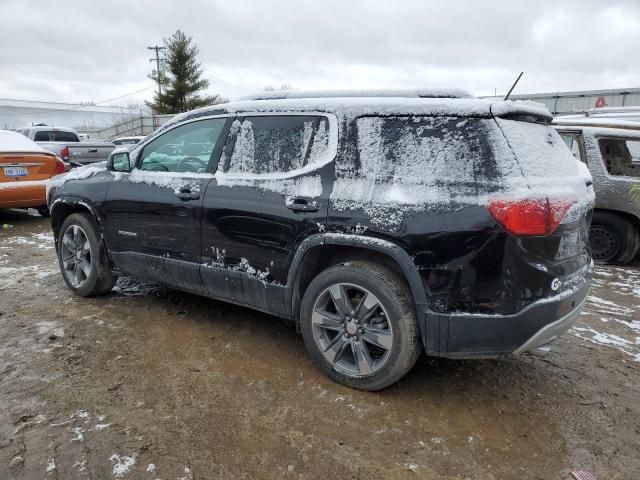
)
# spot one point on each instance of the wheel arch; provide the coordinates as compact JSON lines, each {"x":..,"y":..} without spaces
{"x":63,"y":207}
{"x":626,"y":215}
{"x":632,"y":240}
{"x":321,"y":251}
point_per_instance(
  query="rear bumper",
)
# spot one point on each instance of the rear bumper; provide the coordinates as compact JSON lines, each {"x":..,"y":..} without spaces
{"x":487,"y":336}
{"x":23,"y":194}
{"x":538,"y":342}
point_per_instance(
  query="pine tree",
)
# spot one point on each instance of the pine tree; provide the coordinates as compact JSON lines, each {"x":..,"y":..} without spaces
{"x":180,"y":78}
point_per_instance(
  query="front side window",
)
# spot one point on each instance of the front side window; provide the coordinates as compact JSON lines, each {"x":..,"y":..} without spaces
{"x":275,"y":144}
{"x":621,"y":157}
{"x":572,"y":142}
{"x":186,"y":148}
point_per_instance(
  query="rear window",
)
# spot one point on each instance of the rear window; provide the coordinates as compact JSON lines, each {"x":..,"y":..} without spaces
{"x":275,"y":144}
{"x":621,"y":157}
{"x":55,"y":136}
{"x":540,"y":151}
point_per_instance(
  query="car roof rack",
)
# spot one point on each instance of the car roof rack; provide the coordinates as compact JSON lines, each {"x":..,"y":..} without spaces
{"x":592,"y":122}
{"x":384,"y":93}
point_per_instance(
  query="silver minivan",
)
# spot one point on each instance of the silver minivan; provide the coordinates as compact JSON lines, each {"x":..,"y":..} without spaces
{"x":611,"y":150}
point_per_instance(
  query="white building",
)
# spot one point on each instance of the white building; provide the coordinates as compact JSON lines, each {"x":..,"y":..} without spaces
{"x":85,"y":118}
{"x":567,"y":103}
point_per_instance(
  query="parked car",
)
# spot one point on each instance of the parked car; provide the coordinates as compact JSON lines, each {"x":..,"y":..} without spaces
{"x":383,"y":224}
{"x":611,"y":150}
{"x":120,"y":141}
{"x":25,"y":167}
{"x":66,"y":144}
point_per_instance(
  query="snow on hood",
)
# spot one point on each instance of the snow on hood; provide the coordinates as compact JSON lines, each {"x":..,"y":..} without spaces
{"x":79,"y":173}
{"x":14,"y":142}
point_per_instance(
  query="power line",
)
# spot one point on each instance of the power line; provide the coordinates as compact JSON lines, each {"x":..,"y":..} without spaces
{"x":122,"y":96}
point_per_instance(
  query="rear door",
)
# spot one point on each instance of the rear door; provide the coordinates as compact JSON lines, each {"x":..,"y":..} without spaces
{"x":270,"y":191}
{"x":153,"y":214}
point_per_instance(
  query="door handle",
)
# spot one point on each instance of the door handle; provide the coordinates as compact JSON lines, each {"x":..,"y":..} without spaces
{"x":298,"y":204}
{"x":187,"y":194}
{"x":93,"y":150}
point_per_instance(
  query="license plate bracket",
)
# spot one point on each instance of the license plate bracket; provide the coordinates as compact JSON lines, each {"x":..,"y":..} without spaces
{"x":15,"y":172}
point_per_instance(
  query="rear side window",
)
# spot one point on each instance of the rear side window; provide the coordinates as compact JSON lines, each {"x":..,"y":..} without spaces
{"x":621,"y":157}
{"x":65,"y":137}
{"x":425,"y":150}
{"x":275,"y":143}
{"x":42,"y":137}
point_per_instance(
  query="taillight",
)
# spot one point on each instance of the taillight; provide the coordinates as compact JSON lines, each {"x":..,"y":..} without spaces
{"x":64,"y":153}
{"x":529,"y":217}
{"x":59,"y":168}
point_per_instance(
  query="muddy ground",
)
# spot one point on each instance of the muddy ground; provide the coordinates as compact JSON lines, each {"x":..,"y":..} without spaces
{"x":152,"y":383}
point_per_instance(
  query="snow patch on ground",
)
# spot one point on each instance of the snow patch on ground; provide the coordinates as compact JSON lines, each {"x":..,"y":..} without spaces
{"x":619,"y":326}
{"x":10,"y":276}
{"x":121,"y":464}
{"x":49,"y":328}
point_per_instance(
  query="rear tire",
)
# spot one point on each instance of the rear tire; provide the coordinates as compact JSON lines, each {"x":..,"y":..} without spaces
{"x":613,"y":238}
{"x":82,"y":257}
{"x":368,"y":338}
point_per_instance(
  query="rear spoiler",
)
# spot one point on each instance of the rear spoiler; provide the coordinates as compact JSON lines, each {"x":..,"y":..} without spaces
{"x":524,"y":111}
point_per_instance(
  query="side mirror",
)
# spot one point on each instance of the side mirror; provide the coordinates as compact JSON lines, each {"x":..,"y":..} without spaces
{"x":119,"y":161}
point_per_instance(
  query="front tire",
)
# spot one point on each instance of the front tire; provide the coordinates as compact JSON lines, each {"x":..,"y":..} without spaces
{"x":359,"y":325}
{"x":613,"y":238}
{"x":82,"y":257}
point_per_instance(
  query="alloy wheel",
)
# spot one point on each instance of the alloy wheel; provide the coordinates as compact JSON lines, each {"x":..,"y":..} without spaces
{"x":352,"y":330}
{"x":76,"y":255}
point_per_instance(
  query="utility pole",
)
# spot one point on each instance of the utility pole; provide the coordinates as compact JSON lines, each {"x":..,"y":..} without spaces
{"x":157,"y":50}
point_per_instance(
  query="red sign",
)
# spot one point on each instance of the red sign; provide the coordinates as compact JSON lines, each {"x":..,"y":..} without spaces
{"x":600,"y":102}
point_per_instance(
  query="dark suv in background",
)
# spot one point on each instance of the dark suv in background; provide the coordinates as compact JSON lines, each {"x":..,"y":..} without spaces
{"x":382,"y":223}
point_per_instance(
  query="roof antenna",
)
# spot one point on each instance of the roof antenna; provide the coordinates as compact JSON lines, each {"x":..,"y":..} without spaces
{"x":513,"y":86}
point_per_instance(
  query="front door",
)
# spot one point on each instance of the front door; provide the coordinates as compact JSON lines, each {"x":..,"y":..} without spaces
{"x":153,"y":214}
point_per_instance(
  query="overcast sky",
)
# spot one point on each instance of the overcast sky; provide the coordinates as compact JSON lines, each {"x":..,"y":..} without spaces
{"x":96,"y":50}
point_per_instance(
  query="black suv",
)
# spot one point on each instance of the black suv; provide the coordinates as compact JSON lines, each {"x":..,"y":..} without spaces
{"x":382,"y":223}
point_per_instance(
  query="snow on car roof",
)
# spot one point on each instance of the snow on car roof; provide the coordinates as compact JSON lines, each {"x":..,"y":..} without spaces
{"x":14,"y":142}
{"x":371,"y":105}
{"x":389,"y":93}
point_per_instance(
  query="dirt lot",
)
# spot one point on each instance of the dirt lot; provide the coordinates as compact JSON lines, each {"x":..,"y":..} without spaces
{"x":153,"y":383}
